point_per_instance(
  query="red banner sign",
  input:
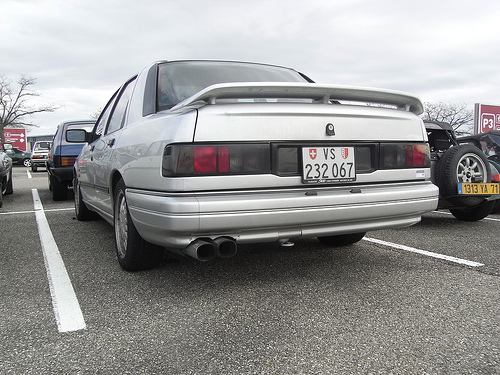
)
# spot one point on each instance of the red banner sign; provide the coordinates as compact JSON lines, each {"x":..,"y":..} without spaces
{"x":17,"y":138}
{"x":486,"y":117}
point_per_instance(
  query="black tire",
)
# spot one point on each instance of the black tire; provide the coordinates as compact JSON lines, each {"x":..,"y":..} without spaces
{"x":463,"y":163}
{"x":34,"y":168}
{"x":473,"y":213}
{"x":82,"y":212}
{"x":1,"y":194}
{"x":27,"y":163}
{"x":58,"y":188}
{"x":342,"y":239}
{"x":133,"y":252}
{"x":496,"y":207}
{"x":9,"y":189}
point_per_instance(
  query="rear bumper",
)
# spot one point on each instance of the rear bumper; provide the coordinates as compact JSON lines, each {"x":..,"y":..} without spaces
{"x":63,"y":174}
{"x":174,"y":220}
{"x":38,"y":162}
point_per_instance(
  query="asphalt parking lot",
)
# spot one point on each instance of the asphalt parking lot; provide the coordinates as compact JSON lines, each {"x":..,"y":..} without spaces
{"x":419,"y":300}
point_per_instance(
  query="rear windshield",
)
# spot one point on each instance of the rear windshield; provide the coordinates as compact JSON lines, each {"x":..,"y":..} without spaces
{"x":180,"y":80}
{"x":41,"y":146}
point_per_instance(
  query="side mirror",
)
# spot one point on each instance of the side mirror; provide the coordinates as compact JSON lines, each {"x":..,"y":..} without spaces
{"x":77,"y":136}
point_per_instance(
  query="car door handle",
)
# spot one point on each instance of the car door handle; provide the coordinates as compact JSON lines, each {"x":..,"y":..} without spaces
{"x":111,"y":142}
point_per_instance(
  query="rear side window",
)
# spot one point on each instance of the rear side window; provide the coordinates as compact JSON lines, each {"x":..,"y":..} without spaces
{"x":118,"y":115}
{"x":103,"y":119}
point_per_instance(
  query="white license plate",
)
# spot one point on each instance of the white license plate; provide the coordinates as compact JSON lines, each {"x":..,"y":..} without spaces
{"x":328,"y":164}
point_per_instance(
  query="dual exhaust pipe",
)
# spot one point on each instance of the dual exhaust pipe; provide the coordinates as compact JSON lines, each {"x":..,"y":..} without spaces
{"x":205,"y":249}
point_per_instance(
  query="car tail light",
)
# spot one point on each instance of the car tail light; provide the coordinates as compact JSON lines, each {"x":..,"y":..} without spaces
{"x":255,"y":158}
{"x":397,"y":156}
{"x":191,"y":160}
{"x":495,"y":178}
{"x":67,"y":161}
{"x":204,"y":160}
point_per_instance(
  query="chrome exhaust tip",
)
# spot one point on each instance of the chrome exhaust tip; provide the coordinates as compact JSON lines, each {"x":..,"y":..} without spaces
{"x":201,"y":249}
{"x":226,"y":247}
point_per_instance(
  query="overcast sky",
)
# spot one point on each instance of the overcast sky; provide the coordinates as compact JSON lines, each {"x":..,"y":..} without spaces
{"x":80,"y":52}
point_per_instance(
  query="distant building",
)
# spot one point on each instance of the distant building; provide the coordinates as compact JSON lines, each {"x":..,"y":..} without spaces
{"x":36,"y":138}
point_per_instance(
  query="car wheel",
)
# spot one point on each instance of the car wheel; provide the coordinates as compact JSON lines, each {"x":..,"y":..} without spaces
{"x":133,"y":252}
{"x":342,"y":239}
{"x":59,"y":189}
{"x":34,"y":168}
{"x":473,"y":213}
{"x":463,"y":163}
{"x":1,"y":194}
{"x":27,"y":163}
{"x":9,"y":189}
{"x":81,"y":210}
{"x":496,"y":207}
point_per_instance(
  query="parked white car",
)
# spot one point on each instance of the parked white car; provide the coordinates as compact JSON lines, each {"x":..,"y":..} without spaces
{"x":39,"y":154}
{"x":199,"y":156}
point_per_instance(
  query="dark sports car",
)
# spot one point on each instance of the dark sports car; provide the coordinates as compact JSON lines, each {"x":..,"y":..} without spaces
{"x":489,"y":143}
{"x":19,"y":156}
{"x":467,"y":181}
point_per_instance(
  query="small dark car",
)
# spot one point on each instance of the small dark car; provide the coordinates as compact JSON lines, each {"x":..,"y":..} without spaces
{"x":463,"y":174}
{"x":19,"y":157}
{"x":62,"y":156}
{"x":5,"y":175}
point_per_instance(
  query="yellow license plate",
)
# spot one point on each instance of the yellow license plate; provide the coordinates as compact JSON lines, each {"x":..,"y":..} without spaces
{"x":469,"y":188}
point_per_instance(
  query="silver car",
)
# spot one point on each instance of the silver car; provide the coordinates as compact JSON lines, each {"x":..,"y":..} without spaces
{"x":199,"y":156}
{"x":5,"y":175}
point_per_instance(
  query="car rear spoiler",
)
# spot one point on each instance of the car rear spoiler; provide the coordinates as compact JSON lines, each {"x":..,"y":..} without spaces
{"x":317,"y":92}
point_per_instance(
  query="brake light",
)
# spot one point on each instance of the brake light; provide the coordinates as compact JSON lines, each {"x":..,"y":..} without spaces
{"x":495,"y":178}
{"x":417,"y":155}
{"x":205,"y":160}
{"x":187,"y":160}
{"x":396,"y":156}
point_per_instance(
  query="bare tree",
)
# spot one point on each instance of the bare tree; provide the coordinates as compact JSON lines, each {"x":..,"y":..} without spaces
{"x":15,"y":109}
{"x":458,"y":116}
{"x":96,"y":114}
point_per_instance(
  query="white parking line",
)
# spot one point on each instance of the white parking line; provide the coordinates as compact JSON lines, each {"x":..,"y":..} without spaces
{"x":424,"y":252}
{"x":67,"y":310}
{"x":32,"y":211}
{"x":29,"y":174}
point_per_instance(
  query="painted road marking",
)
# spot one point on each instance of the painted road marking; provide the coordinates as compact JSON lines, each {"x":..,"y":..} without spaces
{"x":426,"y":253}
{"x":33,"y":211}
{"x":67,"y":310}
